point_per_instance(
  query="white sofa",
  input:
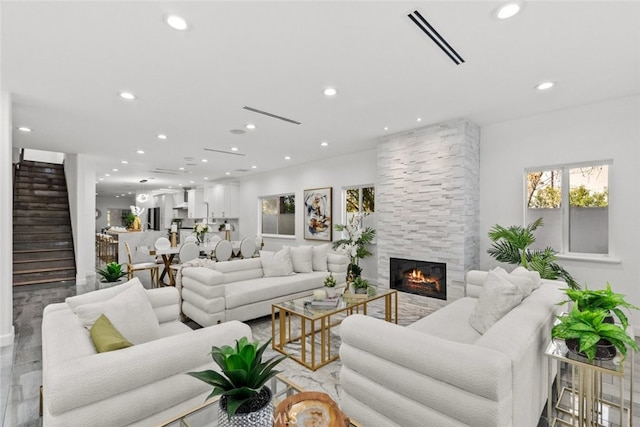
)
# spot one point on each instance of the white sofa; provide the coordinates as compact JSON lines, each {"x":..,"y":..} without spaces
{"x":239,"y":290}
{"x":142,"y":385}
{"x":440,"y":371}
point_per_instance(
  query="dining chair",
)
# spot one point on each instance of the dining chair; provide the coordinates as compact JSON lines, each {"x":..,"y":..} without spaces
{"x":247,"y":247}
{"x":223,"y":250}
{"x":151,"y":266}
{"x":188,"y":251}
{"x":190,"y":238}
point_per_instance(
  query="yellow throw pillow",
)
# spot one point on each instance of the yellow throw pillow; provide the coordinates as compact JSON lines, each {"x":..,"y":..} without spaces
{"x":106,"y":337}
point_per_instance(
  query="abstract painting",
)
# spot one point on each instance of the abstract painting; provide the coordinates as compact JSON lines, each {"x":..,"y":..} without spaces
{"x":317,"y":214}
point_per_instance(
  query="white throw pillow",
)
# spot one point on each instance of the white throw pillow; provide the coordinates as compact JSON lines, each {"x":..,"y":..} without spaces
{"x":534,"y":276}
{"x":276,"y":264}
{"x":130,"y":312}
{"x":524,"y":283}
{"x":497,"y":297}
{"x":301,"y":258}
{"x":319,"y":260}
{"x":101,"y":295}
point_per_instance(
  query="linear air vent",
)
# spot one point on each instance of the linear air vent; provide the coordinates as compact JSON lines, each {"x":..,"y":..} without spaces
{"x":422,"y":23}
{"x":164,"y":171}
{"x":255,"y":110}
{"x":224,"y":152}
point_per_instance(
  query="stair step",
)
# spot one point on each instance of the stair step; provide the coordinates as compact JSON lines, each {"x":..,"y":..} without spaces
{"x":42,"y":237}
{"x":40,"y":193}
{"x":34,"y":281}
{"x":43,"y":265}
{"x":50,"y":169}
{"x":46,"y":179}
{"x":30,"y":198}
{"x":24,"y":228}
{"x":32,"y":260}
{"x":17,"y":246}
{"x":41,"y":270}
{"x":20,"y":187}
{"x":22,"y":213}
{"x":40,"y":205}
{"x":43,"y":254}
{"x":42,"y":164}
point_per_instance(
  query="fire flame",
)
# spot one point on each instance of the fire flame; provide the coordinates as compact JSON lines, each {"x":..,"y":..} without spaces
{"x":416,"y":277}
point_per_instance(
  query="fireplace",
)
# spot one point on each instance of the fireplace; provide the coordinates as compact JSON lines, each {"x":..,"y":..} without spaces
{"x":419,"y":277}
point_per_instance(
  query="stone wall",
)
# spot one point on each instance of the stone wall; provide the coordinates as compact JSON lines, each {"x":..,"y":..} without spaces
{"x":427,"y":201}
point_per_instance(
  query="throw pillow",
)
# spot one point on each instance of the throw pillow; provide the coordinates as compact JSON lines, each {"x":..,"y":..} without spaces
{"x":301,"y":259}
{"x":101,"y":295}
{"x":276,"y":264}
{"x":497,"y":297}
{"x":524,"y":283}
{"x":319,"y":259}
{"x":129,"y":311}
{"x":106,"y":337}
{"x":534,"y":276}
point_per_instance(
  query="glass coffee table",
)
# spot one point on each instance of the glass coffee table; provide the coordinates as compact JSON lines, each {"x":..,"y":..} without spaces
{"x":207,"y":413}
{"x":302,"y":331}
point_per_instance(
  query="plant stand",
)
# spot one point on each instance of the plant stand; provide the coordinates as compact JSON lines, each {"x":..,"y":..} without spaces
{"x":583,"y":402}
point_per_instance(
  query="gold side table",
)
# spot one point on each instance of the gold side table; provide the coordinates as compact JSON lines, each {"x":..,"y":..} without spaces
{"x":582,"y":403}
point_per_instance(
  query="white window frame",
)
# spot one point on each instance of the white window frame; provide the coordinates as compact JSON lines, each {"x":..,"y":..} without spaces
{"x":259,"y":227}
{"x":563,"y":253}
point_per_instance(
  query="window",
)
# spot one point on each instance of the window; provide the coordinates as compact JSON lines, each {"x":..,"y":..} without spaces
{"x":360,"y":199}
{"x":278,"y":215}
{"x":584,"y":188}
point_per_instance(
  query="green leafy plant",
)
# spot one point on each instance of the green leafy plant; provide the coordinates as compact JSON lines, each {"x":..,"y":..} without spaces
{"x":355,"y":244}
{"x":511,"y":245}
{"x":128,"y":219}
{"x":111,"y":272}
{"x":589,"y":328}
{"x":243,"y":374}
{"x":360,"y":283}
{"x":601,"y":299}
{"x":330,"y":281}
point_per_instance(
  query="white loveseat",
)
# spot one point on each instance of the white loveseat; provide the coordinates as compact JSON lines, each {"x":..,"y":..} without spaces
{"x":440,"y":371}
{"x":140,"y":385}
{"x":239,"y":290}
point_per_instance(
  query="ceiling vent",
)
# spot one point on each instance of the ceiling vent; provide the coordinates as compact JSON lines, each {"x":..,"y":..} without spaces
{"x":164,"y":171}
{"x":225,"y":152}
{"x":275,"y":116}
{"x":422,"y":23}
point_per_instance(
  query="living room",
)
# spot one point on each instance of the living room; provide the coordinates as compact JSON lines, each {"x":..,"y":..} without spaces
{"x":593,"y":122}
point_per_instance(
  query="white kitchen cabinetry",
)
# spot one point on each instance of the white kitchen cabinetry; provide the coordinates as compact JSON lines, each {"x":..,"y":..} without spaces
{"x":223,"y":201}
{"x":195,"y":204}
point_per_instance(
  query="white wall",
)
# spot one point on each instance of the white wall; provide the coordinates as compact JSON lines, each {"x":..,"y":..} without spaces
{"x":111,"y":202}
{"x":6,"y":223}
{"x":81,"y":186}
{"x":338,"y":172}
{"x":607,"y":130}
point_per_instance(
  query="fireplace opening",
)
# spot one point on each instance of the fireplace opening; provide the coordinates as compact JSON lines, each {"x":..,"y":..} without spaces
{"x":419,"y":277}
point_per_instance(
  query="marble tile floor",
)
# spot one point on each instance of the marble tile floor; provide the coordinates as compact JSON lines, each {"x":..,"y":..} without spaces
{"x":21,"y":369}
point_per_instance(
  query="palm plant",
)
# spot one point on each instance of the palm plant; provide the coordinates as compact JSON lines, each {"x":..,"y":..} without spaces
{"x":511,"y":245}
{"x":243,"y":373}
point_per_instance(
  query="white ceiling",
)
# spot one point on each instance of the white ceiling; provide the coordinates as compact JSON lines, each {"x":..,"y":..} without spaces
{"x":65,"y":63}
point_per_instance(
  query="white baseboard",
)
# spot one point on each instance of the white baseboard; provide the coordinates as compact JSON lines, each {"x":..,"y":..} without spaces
{"x":7,"y":339}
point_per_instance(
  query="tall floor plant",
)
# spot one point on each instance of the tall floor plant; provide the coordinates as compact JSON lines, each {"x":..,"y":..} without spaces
{"x":511,"y":245}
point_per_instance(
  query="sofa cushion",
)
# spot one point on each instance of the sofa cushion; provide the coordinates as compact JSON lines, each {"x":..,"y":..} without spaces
{"x":242,"y":269}
{"x":100,"y":295}
{"x":534,"y":276}
{"x":250,"y":291}
{"x":129,"y":311}
{"x":319,"y":257}
{"x":451,"y":322}
{"x":522,"y":282}
{"x":301,"y":259}
{"x":205,"y":276}
{"x":337,"y":263}
{"x":106,"y":337}
{"x":276,"y":264}
{"x":497,"y":298}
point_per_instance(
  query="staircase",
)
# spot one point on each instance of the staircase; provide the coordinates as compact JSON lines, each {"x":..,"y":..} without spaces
{"x":42,"y":238}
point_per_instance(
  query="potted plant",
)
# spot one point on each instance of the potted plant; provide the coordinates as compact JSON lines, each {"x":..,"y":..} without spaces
{"x":601,"y":299}
{"x":245,"y":400}
{"x":586,"y":333}
{"x":360,"y":285}
{"x":112,"y":272}
{"x":511,"y":245}
{"x":355,"y":244}
{"x":330,"y":285}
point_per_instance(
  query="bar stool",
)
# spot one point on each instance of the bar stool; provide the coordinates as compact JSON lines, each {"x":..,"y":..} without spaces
{"x":151,"y":266}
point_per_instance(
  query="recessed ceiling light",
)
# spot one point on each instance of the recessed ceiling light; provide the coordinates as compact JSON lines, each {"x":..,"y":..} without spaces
{"x":180,"y":185}
{"x":124,"y":162}
{"x":227,"y":173}
{"x":100,"y":179}
{"x":206,"y":177}
{"x":129,"y":193}
{"x":419,"y":119}
{"x":127,"y":95}
{"x":162,"y":136}
{"x":177,"y":22}
{"x":117,"y":196}
{"x":287,"y":157}
{"x":545,"y":85}
{"x":250,"y":126}
{"x":114,"y":170}
{"x":204,"y":160}
{"x":324,"y":143}
{"x":254,"y":167}
{"x":24,"y":129}
{"x":507,"y":10}
{"x":181,"y":168}
{"x":140,"y":151}
{"x":330,"y":91}
{"x":191,"y":182}
{"x":122,"y":195}
{"x":107,"y":174}
{"x":234,"y":148}
{"x":386,"y":128}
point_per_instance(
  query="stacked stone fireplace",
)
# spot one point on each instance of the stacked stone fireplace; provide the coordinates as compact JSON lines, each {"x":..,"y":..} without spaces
{"x":427,"y":203}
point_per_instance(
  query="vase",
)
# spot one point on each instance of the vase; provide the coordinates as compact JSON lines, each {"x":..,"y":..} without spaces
{"x":361,"y":290}
{"x":245,"y":416}
{"x":604,"y":349}
{"x":331,"y":292}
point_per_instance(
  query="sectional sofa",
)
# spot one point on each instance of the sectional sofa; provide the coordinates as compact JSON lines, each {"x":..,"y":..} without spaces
{"x":245,"y":289}
{"x":478,"y":361}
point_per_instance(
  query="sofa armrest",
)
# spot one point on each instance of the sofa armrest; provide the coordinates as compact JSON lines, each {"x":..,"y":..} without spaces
{"x":204,"y":275}
{"x":443,"y":373}
{"x":166,"y":303}
{"x":96,"y":377}
{"x":337,"y":262}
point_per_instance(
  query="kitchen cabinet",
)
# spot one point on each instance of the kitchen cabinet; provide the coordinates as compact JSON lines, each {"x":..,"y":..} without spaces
{"x":195,"y":204}
{"x":223,"y":201}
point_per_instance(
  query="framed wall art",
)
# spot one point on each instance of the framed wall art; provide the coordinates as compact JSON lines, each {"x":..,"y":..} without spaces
{"x":318,"y":223}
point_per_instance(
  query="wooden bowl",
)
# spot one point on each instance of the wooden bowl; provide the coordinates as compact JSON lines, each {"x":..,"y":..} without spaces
{"x":309,"y":409}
